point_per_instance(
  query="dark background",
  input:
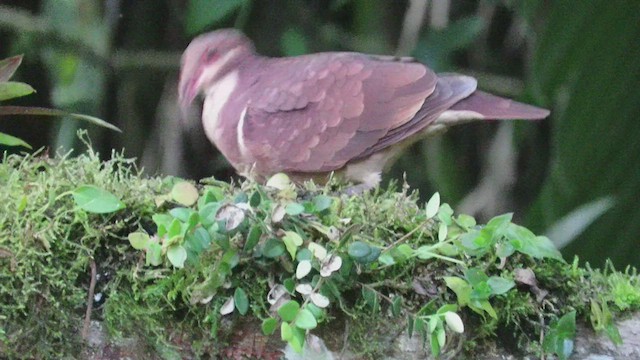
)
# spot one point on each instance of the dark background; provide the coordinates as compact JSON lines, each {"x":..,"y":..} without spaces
{"x":574,"y":176}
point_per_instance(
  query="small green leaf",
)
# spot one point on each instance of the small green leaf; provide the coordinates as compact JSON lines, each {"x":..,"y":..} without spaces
{"x":322,"y":202}
{"x":292,"y":241}
{"x":273,"y":248}
{"x":253,"y":237}
{"x":289,"y":310}
{"x":500,"y":285}
{"x":297,"y":340}
{"x":289,"y":285}
{"x":410,"y":323}
{"x":433,"y":205}
{"x":231,"y":258}
{"x":559,"y":338}
{"x":441,"y":336}
{"x":175,"y":228}
{"x":486,"y":306}
{"x":8,"y":140}
{"x":386,"y":259}
{"x":241,"y":300}
{"x":460,"y":287}
{"x":198,"y":241}
{"x":95,"y":200}
{"x":294,"y":209}
{"x":304,"y":254}
{"x":182,"y":213}
{"x":241,"y":197}
{"x":396,"y":306}
{"x":177,"y":255}
{"x":445,"y":214}
{"x":139,"y":240}
{"x":184,"y":193}
{"x":419,"y":326}
{"x":317,"y":312}
{"x":305,"y":320}
{"x":286,"y":333}
{"x":447,"y":308}
{"x":371,"y":298}
{"x":373,"y":256}
{"x":207,"y":213}
{"x":466,"y":221}
{"x":269,"y":326}
{"x":359,"y":250}
{"x":499,"y":222}
{"x":11,"y":90}
{"x":255,"y":199}
{"x":481,"y":291}
{"x":442,"y":232}
{"x":154,"y":254}
{"x":435,"y":345}
{"x":475,"y":276}
{"x":279,"y":181}
{"x":424,"y":252}
{"x":404,"y":251}
{"x":212,"y":194}
{"x":434,"y":321}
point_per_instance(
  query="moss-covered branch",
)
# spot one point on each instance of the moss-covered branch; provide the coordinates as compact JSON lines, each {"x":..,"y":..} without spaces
{"x":182,"y":270}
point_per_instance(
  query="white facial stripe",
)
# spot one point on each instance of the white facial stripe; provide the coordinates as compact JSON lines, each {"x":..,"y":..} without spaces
{"x":239,"y":133}
{"x":211,"y":71}
{"x":452,"y":117}
{"x":216,"y":97}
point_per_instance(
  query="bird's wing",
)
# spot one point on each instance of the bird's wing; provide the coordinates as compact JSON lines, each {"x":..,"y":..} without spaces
{"x":315,"y":113}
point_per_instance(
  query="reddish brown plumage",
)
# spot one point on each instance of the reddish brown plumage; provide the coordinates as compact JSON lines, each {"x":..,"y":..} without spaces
{"x":318,"y":113}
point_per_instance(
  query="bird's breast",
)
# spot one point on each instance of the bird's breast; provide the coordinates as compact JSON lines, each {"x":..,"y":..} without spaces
{"x":221,"y":113}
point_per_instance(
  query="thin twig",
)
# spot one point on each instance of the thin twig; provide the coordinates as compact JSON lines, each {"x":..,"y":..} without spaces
{"x":407,"y":235}
{"x":92,"y":287}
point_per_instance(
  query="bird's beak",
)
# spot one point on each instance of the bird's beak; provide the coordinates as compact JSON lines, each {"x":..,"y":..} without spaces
{"x":186,"y":92}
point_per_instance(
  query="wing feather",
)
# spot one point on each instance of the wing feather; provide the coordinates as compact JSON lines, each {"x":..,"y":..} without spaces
{"x":316,"y":113}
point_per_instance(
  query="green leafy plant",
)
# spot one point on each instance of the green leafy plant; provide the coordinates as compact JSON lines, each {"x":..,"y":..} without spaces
{"x":559,"y":339}
{"x":291,"y":258}
{"x":11,"y":90}
{"x":271,"y":226}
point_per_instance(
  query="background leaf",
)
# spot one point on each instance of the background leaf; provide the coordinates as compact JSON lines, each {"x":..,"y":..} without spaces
{"x":12,"y":89}
{"x":8,"y":67}
{"x":586,"y":66}
{"x":8,"y":140}
{"x":202,"y":14}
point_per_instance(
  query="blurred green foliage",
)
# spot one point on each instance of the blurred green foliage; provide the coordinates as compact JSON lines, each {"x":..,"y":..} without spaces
{"x":119,"y":60}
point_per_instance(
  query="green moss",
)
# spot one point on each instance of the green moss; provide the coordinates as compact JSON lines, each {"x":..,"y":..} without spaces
{"x":47,"y":244}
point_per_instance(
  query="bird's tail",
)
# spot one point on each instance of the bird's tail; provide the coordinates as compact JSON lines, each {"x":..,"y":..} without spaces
{"x":496,"y":107}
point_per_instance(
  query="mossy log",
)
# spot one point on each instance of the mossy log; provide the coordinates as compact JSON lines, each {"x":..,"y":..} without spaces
{"x":100,"y":261}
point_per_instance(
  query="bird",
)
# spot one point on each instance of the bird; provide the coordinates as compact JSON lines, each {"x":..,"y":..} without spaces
{"x":310,"y":116}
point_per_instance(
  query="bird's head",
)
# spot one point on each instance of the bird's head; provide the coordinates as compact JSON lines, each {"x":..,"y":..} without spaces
{"x":207,"y":59}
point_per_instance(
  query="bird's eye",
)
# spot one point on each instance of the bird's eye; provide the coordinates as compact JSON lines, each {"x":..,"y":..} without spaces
{"x":211,"y":54}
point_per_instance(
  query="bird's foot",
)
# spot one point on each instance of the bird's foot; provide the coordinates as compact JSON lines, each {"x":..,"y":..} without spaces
{"x":356,"y":190}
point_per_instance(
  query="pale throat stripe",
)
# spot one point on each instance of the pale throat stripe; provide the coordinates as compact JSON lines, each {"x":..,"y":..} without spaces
{"x":217,"y":96}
